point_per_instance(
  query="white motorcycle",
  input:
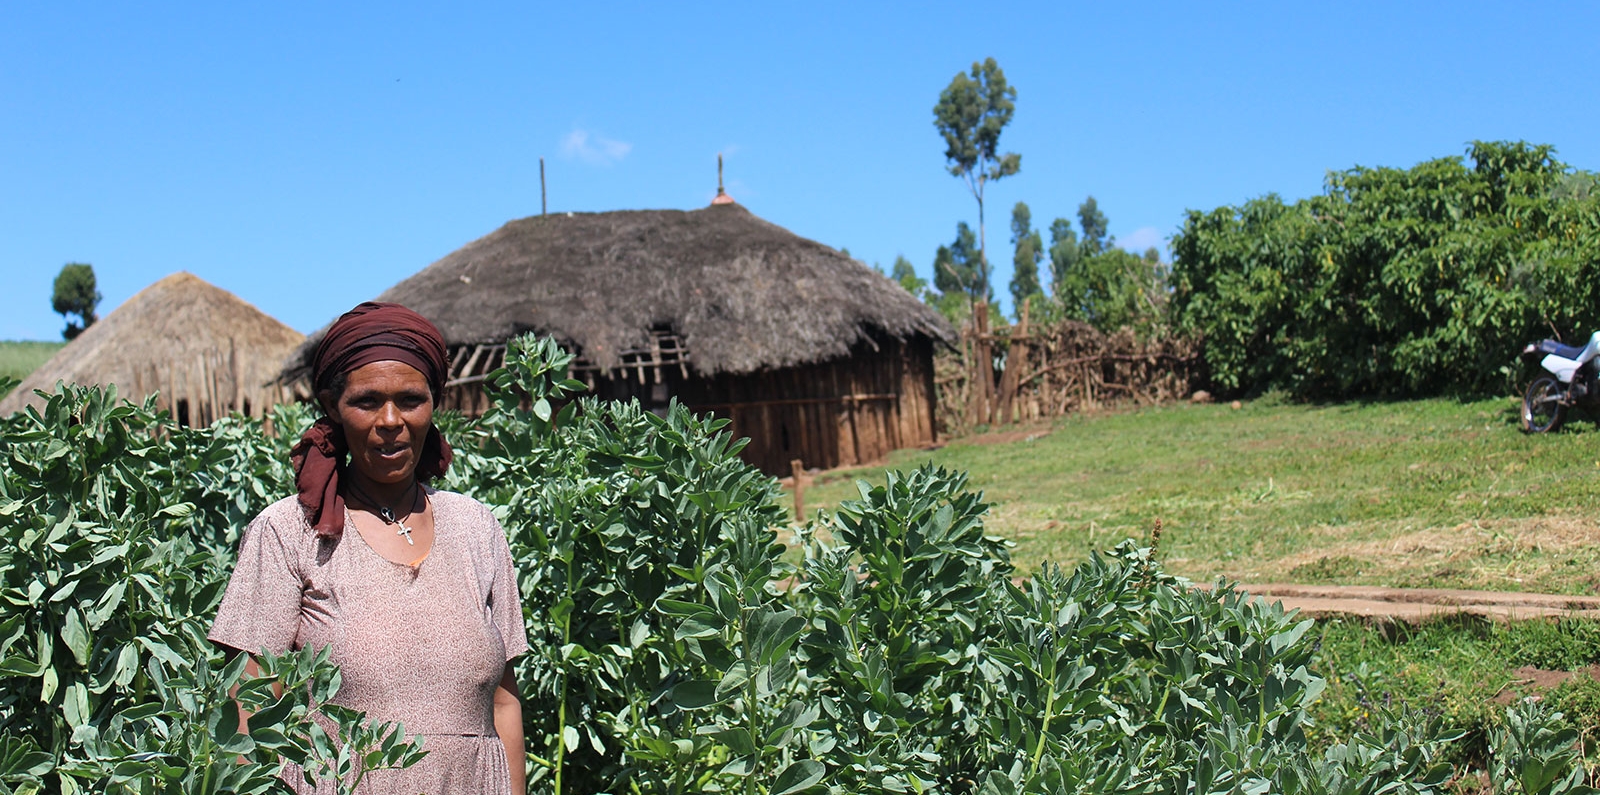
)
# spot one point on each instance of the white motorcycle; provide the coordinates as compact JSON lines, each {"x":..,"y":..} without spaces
{"x":1569,"y":380}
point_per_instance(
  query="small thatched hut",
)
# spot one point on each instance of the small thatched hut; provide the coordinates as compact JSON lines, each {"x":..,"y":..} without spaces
{"x":811,"y":354}
{"x":202,"y":348}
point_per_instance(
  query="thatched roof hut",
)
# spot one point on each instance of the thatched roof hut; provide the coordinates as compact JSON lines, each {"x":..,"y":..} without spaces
{"x":206,"y":351}
{"x":716,"y":307}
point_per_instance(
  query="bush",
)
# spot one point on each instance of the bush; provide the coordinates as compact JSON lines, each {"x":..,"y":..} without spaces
{"x":1416,"y":282}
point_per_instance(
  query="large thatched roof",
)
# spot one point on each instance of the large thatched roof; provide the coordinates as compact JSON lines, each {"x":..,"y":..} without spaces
{"x":742,"y":293}
{"x":182,"y":336}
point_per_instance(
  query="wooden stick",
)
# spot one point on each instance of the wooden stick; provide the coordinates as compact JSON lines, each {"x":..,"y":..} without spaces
{"x":799,"y":472}
{"x":799,"y":401}
{"x":1115,"y":357}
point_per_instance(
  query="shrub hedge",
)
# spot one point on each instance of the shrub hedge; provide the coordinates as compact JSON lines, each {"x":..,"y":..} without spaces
{"x":1394,"y":282}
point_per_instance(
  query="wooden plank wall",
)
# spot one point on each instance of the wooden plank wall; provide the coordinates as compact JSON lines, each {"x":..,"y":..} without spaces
{"x":205,"y":388}
{"x":844,"y":412}
{"x":848,"y":411}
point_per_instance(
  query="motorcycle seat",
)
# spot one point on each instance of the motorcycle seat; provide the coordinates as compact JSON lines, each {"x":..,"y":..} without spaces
{"x":1556,"y":348}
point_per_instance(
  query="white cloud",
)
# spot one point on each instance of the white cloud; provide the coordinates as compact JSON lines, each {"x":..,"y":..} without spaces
{"x":1142,"y":238}
{"x":594,"y":149}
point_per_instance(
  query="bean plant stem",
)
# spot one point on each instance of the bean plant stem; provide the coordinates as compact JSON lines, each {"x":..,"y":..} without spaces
{"x":561,"y":710}
{"x":1044,"y":726}
{"x":750,"y":696}
{"x":1161,"y":708}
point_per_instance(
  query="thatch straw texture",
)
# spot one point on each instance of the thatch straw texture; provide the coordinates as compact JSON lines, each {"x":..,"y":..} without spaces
{"x":744,"y":295}
{"x":203,"y":348}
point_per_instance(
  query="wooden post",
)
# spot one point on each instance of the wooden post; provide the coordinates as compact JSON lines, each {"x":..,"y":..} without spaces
{"x":1016,"y":360}
{"x":982,"y":365}
{"x":799,"y":471}
{"x":543,"y":207}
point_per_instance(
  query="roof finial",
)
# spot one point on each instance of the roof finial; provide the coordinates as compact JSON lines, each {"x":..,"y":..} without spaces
{"x":722,"y":195}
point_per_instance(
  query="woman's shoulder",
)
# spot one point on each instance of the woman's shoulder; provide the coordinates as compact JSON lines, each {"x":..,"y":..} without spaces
{"x":284,"y":516}
{"x":282,"y":524}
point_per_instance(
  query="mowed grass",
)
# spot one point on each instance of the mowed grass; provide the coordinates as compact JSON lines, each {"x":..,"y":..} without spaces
{"x":1429,"y":493}
{"x":19,"y":358}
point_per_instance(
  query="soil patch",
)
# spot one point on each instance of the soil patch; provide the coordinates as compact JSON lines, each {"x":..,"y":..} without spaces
{"x":1415,"y":605}
{"x":1533,"y":681}
{"x":1008,"y":436}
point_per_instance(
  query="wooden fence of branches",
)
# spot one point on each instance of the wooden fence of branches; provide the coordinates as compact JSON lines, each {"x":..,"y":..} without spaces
{"x":1025,"y":372}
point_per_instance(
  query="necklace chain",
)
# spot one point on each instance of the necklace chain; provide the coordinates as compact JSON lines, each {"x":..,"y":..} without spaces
{"x":386,"y":513}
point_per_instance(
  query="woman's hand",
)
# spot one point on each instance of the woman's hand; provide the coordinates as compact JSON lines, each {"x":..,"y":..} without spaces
{"x":508,"y":724}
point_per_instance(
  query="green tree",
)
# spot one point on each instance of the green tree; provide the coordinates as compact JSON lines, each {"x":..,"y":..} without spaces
{"x":1100,"y":284}
{"x":956,"y":267}
{"x":906,"y":275}
{"x":1064,"y":255}
{"x":75,"y":294}
{"x":1094,"y":227}
{"x":1025,"y":263}
{"x":972,"y":112}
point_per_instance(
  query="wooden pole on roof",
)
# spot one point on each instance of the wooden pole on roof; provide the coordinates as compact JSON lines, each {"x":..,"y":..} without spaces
{"x":543,"y":205}
{"x":722,"y":196}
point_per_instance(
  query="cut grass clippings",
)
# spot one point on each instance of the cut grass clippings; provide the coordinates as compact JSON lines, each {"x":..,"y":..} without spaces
{"x":1428,"y":493}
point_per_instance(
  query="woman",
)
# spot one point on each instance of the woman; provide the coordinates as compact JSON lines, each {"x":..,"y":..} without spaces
{"x":412,"y":588}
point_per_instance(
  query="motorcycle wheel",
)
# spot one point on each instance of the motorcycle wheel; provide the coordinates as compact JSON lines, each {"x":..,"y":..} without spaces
{"x":1542,"y":409}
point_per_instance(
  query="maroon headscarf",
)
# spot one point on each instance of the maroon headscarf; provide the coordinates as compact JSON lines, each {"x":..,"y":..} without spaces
{"x":372,"y":332}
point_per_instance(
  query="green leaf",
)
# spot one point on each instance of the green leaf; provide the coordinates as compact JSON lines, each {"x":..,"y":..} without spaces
{"x":695,"y":694}
{"x":798,"y":776}
{"x":75,"y":634}
{"x":75,"y":704}
{"x":178,"y":511}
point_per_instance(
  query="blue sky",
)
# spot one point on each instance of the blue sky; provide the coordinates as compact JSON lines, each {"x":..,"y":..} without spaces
{"x":306,"y":156}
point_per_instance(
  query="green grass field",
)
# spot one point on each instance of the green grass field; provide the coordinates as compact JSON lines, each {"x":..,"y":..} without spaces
{"x":1434,"y":493}
{"x":18,"y":358}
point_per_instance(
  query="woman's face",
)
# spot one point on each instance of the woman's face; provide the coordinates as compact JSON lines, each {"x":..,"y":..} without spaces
{"x":386,"y":410}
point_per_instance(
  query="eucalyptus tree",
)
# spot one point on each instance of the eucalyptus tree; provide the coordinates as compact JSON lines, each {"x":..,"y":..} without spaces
{"x":1094,"y":223}
{"x":972,"y":112}
{"x":1064,"y":254}
{"x":1029,"y":253}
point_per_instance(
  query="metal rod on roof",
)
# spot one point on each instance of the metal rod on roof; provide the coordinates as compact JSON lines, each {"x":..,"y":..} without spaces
{"x":543,"y":206}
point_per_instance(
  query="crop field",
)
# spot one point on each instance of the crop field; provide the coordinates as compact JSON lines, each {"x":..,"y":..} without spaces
{"x":674,"y":649}
{"x":677,"y":647}
{"x":19,"y":358}
{"x":1435,"y":493}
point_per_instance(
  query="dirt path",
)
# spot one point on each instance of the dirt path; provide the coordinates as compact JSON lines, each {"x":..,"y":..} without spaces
{"x":1414,"y":605}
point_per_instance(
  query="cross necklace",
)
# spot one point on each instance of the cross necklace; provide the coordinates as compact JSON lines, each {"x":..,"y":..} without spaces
{"x":386,"y":513}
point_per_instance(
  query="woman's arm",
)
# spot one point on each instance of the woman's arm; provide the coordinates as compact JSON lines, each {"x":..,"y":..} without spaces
{"x":508,"y":724}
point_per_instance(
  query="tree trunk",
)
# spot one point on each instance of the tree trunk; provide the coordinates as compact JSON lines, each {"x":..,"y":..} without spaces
{"x":983,"y":245}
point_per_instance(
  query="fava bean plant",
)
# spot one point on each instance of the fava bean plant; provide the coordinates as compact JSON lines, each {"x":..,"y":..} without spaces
{"x":686,"y":636}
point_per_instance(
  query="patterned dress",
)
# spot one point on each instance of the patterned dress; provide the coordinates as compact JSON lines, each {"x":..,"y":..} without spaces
{"x":423,"y":644}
